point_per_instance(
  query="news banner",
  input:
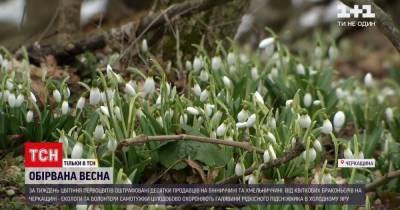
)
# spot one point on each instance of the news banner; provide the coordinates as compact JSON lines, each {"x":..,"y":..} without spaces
{"x":52,"y":179}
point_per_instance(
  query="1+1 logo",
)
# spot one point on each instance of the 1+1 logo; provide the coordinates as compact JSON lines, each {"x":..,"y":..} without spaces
{"x":358,"y":11}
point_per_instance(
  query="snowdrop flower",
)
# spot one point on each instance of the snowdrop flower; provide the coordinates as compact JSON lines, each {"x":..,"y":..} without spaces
{"x":105,"y":111}
{"x":266,"y":42}
{"x":19,"y":100}
{"x":67,"y":92}
{"x":197,"y":64}
{"x":271,"y":137}
{"x":241,"y":124}
{"x":231,"y":59}
{"x":158,"y":101}
{"x":368,"y":80}
{"x":77,"y":150}
{"x":64,"y":140}
{"x":326,"y":127}
{"x":33,"y":98}
{"x":333,"y":53}
{"x":389,"y":114}
{"x":118,"y":113}
{"x":312,"y":154}
{"x":149,"y":86}
{"x":340,"y":93}
{"x":183,"y":119}
{"x":145,"y":47}
{"x":318,"y":52}
{"x":272,"y":152}
{"x":232,"y":69}
{"x":221,"y":130}
{"x":271,"y":123}
{"x":188,"y":65}
{"x":203,"y":76}
{"x":192,"y":111}
{"x":98,"y":132}
{"x":160,"y":121}
{"x":11,"y":100}
{"x":244,"y":58}
{"x":216,"y":63}
{"x":227,"y":81}
{"x":300,"y":69}
{"x":266,"y":156}
{"x":9,"y":84}
{"x":204,"y":95}
{"x":359,"y":156}
{"x":239,"y":169}
{"x":288,"y":103}
{"x":57,"y":95}
{"x":254,"y":73}
{"x":304,"y":121}
{"x":81,"y":103}
{"x":252,"y":179}
{"x":326,"y":178}
{"x":317,"y":146}
{"x":307,"y":100}
{"x":316,"y":102}
{"x":348,"y":154}
{"x":196,"y":90}
{"x":112,"y":144}
{"x":29,"y":116}
{"x":109,"y":93}
{"x":94,"y":96}
{"x":251,"y":121}
{"x":243,"y":115}
{"x":208,"y":108}
{"x":64,"y":108}
{"x":338,"y":120}
{"x":216,"y":118}
{"x":258,"y":97}
{"x":129,"y":89}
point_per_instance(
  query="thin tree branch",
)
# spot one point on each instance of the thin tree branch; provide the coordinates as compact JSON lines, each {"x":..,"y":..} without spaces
{"x":287,"y":156}
{"x":385,"y":21}
{"x":142,"y":139}
{"x":382,"y":180}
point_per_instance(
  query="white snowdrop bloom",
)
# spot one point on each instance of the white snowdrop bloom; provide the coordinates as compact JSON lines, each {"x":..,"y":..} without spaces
{"x":32,"y":96}
{"x":149,"y":86}
{"x":160,"y":121}
{"x":203,"y":76}
{"x":326,"y":127}
{"x":271,"y":123}
{"x":293,"y":142}
{"x":129,"y":89}
{"x":288,"y":103}
{"x":192,"y":111}
{"x":19,"y":100}
{"x":158,"y":101}
{"x":109,"y":70}
{"x":213,"y":135}
{"x":64,"y":108}
{"x":81,"y":103}
{"x":348,"y":154}
{"x":359,"y":156}
{"x":64,"y":140}
{"x":188,"y":65}
{"x":272,"y":152}
{"x":266,"y":156}
{"x":300,"y":69}
{"x":239,"y":169}
{"x":387,"y":91}
{"x":368,"y":80}
{"x":112,"y":144}
{"x":318,"y":52}
{"x":227,"y":81}
{"x":241,"y":125}
{"x":94,"y":96}
{"x":252,"y":179}
{"x":251,"y":121}
{"x":77,"y":150}
{"x":271,"y":137}
{"x":244,"y":58}
{"x":29,"y":116}
{"x":208,"y":109}
{"x":312,"y":154}
{"x":258,"y":97}
{"x":316,"y":102}
{"x":339,"y":120}
{"x":145,"y":47}
{"x":231,"y":59}
{"x":98,"y":132}
{"x":57,"y":95}
{"x":304,"y":121}
{"x":216,"y":63}
{"x":9,"y":84}
{"x":307,"y":100}
{"x":389,"y":114}
{"x":254,"y":73}
{"x":5,"y":65}
{"x":243,"y":115}
{"x":104,"y":110}
{"x":118,"y":113}
{"x":109,"y":93}
{"x":126,"y":181}
{"x":67,"y":92}
{"x":197,"y":64}
{"x":326,"y":178}
{"x":11,"y":100}
{"x":317,"y":146}
{"x":333,"y":53}
{"x":204,"y":95}
{"x":221,"y":130}
{"x":340,"y":93}
{"x":183,"y":119}
{"x":196,"y":90}
{"x":216,"y":118}
{"x":266,"y":42}
{"x":232,"y":70}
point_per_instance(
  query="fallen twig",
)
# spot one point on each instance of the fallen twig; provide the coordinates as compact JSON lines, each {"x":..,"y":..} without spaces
{"x":142,"y":139}
{"x":382,"y":180}
{"x":287,"y":156}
